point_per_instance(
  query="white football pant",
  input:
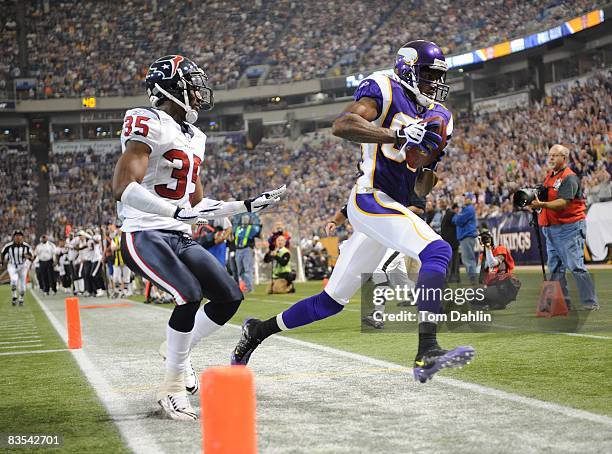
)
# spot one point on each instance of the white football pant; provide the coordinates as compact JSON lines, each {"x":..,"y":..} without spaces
{"x":17,"y":276}
{"x":380,"y":223}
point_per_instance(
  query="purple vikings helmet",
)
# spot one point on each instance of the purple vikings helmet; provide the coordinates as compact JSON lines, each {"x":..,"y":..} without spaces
{"x":421,"y":65}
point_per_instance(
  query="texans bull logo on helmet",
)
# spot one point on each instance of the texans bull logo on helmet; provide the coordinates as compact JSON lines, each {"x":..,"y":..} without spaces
{"x":165,"y":67}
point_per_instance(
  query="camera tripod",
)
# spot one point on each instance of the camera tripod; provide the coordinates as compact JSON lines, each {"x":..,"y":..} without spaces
{"x":534,"y":223}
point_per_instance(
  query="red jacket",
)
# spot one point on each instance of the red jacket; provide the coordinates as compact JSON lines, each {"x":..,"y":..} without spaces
{"x":575,"y":211}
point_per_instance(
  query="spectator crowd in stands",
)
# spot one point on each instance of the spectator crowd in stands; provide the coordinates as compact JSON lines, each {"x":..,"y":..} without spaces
{"x":18,"y":186}
{"x":490,"y":155}
{"x":115,"y":41}
{"x":80,"y":191}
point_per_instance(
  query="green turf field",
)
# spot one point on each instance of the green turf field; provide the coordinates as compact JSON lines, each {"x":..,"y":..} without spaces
{"x":46,"y":392}
{"x":566,"y":369}
{"x":570,"y":370}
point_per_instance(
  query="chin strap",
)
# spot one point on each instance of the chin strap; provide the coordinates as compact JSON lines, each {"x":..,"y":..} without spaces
{"x":423,"y":100}
{"x":191,"y":115}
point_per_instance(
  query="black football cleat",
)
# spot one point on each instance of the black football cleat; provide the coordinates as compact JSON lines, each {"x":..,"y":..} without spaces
{"x":373,"y":322}
{"x":247,"y":343}
{"x":436,"y":359}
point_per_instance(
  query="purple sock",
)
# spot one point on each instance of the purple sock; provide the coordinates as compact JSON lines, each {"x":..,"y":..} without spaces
{"x":432,"y":275}
{"x":310,"y":310}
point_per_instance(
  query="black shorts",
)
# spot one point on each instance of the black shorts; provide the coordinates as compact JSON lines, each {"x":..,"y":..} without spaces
{"x":179,"y":265}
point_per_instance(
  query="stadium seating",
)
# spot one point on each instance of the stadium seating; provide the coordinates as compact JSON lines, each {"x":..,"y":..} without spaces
{"x":9,"y":50}
{"x":80,"y":192}
{"x":490,"y":155}
{"x":19,"y":185}
{"x":299,"y":40}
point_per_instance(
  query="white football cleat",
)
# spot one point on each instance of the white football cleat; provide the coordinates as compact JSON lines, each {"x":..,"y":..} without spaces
{"x":177,"y":406}
{"x":192,"y":384}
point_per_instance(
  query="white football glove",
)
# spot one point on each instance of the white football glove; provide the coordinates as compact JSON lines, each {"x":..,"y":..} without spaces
{"x":213,"y":209}
{"x":410,"y":135}
{"x":264,"y":199}
{"x":187,"y":215}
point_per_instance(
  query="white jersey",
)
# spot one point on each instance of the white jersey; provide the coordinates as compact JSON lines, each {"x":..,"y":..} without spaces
{"x":82,"y":250}
{"x":174,"y":165}
{"x":72,"y":252}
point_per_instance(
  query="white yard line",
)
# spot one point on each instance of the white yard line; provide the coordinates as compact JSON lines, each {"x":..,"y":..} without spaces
{"x":20,"y":346}
{"x":139,"y":441}
{"x":20,"y":342}
{"x":589,"y":336}
{"x":568,"y":411}
{"x":305,"y":389}
{"x":17,"y":326}
{"x":19,"y":337}
{"x":34,"y":352}
{"x":503,"y":395}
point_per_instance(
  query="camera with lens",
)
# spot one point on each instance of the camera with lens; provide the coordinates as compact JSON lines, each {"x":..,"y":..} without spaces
{"x":525,"y":196}
{"x":485,"y":237}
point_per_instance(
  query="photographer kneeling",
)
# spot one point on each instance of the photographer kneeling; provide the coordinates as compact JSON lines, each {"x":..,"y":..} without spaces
{"x":563,"y":222}
{"x":282,"y":275}
{"x":496,"y":265}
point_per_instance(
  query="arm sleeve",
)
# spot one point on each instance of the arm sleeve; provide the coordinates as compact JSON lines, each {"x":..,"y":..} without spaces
{"x":492,"y":262}
{"x":136,"y":196}
{"x":368,"y":88}
{"x":569,"y":187}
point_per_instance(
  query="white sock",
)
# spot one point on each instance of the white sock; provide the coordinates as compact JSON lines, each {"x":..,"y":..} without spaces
{"x":203,"y":327}
{"x":14,"y":289}
{"x":177,"y":350}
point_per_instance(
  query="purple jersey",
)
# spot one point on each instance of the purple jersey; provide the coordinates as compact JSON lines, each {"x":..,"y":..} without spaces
{"x":383,"y":166}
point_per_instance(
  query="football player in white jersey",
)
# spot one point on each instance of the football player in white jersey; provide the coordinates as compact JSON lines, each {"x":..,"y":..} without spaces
{"x":160,"y":195}
{"x":403,"y":127}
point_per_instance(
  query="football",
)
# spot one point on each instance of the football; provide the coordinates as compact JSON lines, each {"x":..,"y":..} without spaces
{"x":415,"y":157}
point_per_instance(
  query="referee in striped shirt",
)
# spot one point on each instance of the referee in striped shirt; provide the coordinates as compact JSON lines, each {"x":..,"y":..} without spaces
{"x":17,"y":255}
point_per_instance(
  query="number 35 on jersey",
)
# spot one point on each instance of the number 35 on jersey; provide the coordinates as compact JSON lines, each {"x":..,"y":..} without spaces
{"x":174,"y":162}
